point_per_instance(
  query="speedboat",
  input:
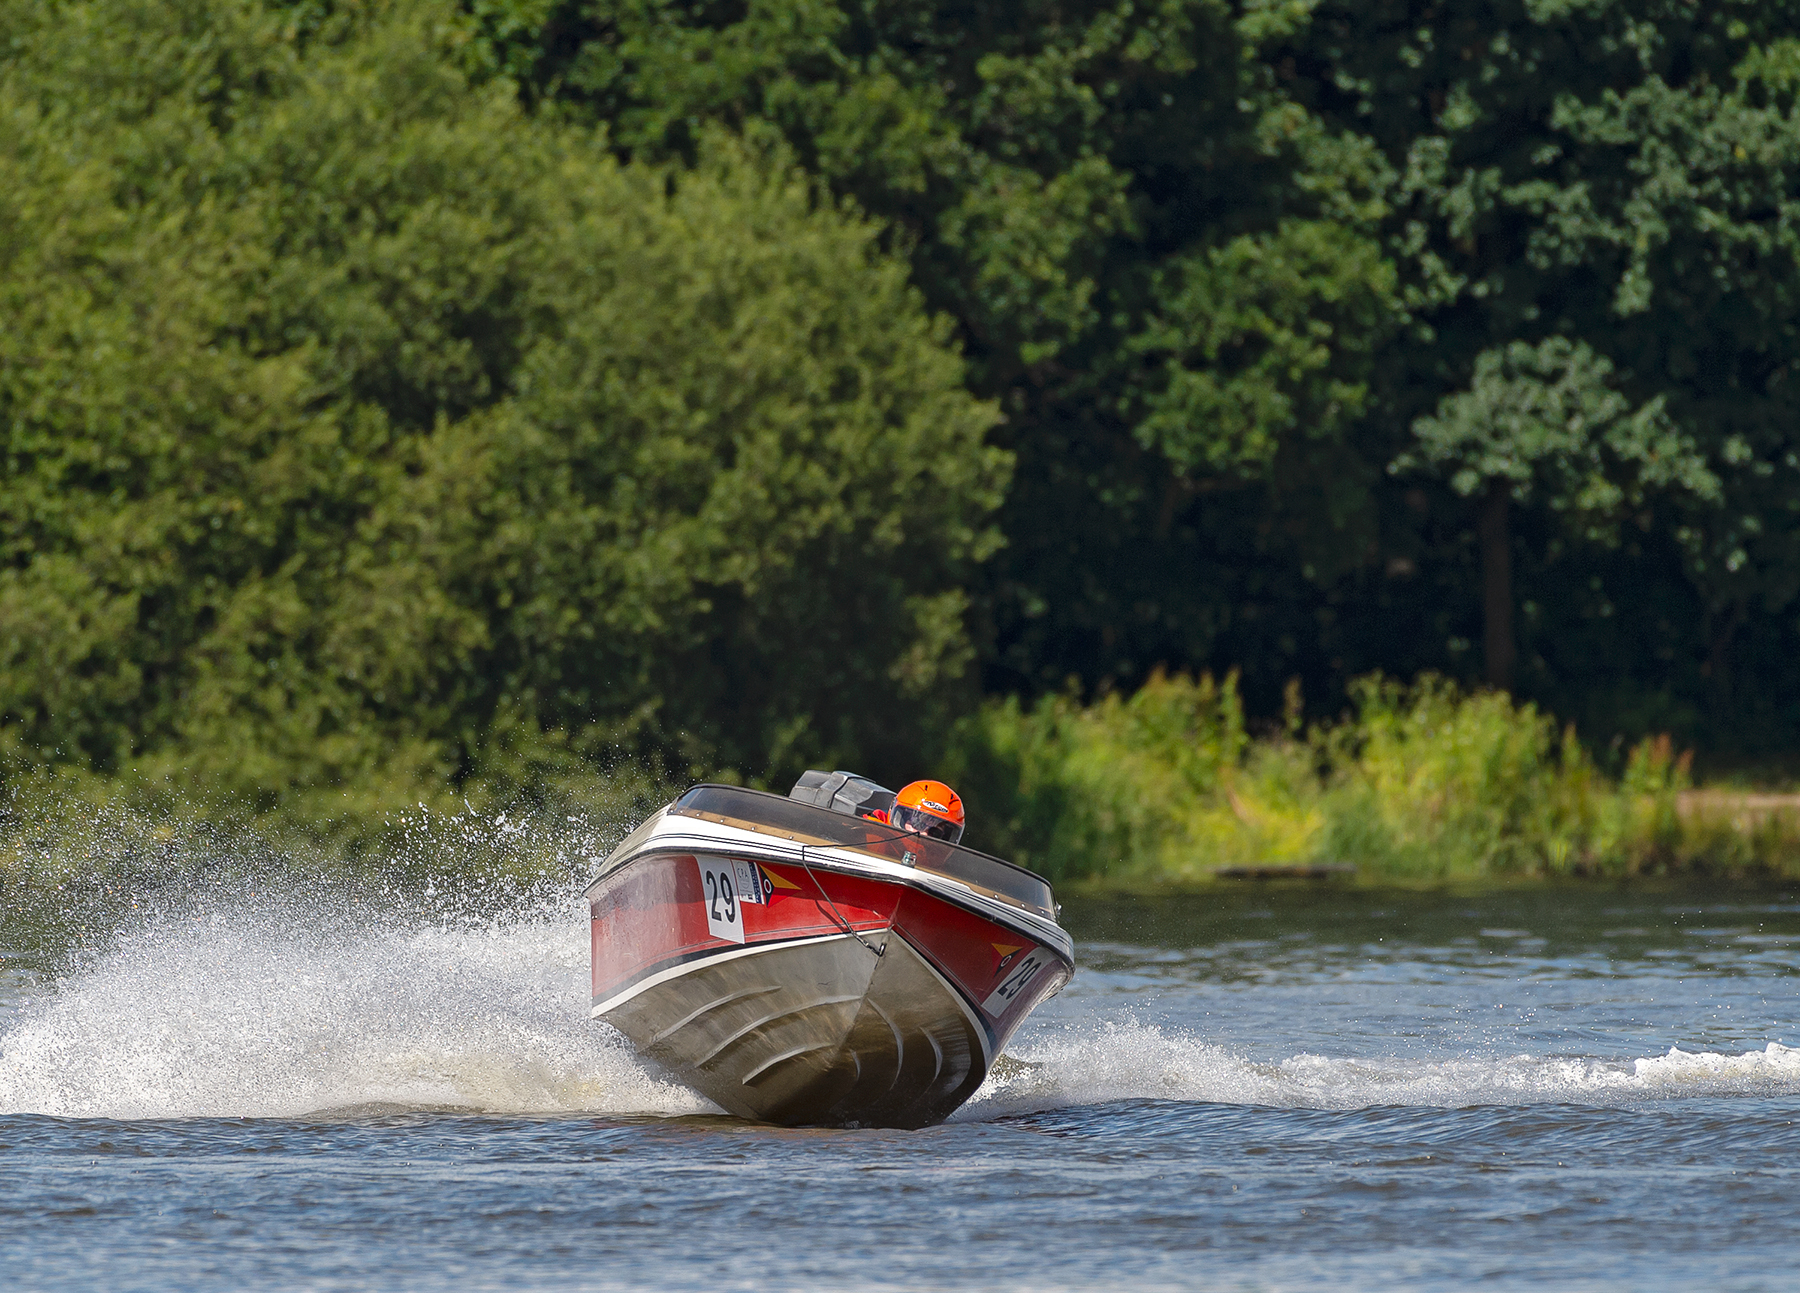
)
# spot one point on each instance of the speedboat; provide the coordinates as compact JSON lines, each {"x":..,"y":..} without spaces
{"x":799,"y":961}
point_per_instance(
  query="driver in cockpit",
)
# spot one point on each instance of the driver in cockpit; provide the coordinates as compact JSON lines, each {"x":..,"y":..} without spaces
{"x":928,"y":808}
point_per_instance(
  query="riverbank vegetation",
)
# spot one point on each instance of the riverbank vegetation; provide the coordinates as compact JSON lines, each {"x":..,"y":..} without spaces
{"x":1415,"y":783}
{"x":508,"y":405}
{"x":1169,"y":787}
{"x":371,"y":442}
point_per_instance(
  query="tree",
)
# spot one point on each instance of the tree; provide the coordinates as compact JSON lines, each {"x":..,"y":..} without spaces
{"x":367,"y":437}
{"x":1159,"y":268}
{"x":1592,"y":197}
{"x":1546,"y":420}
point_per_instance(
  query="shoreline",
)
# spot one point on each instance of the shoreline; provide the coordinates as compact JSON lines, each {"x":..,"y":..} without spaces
{"x":1091,"y":888}
{"x":1712,"y":838}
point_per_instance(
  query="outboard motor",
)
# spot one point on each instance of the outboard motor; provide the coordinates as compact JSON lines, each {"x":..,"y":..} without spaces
{"x":842,"y":792}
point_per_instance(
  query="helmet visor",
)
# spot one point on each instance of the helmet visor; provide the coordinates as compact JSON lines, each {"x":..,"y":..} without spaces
{"x":920,"y":822}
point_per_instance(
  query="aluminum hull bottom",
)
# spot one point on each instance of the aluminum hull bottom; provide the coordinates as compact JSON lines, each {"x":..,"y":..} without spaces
{"x":814,"y":1031}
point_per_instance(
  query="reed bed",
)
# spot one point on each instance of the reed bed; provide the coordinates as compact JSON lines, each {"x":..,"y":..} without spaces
{"x":1415,"y":783}
{"x":1420,"y":782}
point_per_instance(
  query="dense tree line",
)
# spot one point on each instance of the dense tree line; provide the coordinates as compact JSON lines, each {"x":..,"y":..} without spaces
{"x":365,"y":433}
{"x":405,"y":395}
{"x":1330,"y":336}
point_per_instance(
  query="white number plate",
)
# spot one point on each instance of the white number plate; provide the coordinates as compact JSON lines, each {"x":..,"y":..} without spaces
{"x":725,"y":886}
{"x":1015,"y":983}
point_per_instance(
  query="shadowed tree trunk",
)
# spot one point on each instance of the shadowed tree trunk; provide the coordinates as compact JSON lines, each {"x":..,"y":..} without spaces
{"x":1720,"y":629}
{"x":1496,"y":588}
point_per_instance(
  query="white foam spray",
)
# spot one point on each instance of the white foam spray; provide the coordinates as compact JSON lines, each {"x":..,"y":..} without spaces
{"x":1086,"y":1063}
{"x":234,"y":1009}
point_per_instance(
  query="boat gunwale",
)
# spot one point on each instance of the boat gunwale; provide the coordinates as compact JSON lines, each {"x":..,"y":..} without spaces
{"x":1042,"y":929}
{"x":829,"y":817}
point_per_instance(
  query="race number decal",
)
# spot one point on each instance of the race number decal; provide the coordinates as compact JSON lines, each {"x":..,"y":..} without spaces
{"x":725,"y":886}
{"x":1015,"y":983}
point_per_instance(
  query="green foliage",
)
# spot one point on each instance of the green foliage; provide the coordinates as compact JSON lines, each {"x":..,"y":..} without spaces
{"x":1418,"y":783}
{"x":1071,"y":791}
{"x":1143,"y":243}
{"x":1268,"y":341}
{"x":1546,"y":416}
{"x":1268,"y":291}
{"x":443,"y":400}
{"x":1592,"y":221}
{"x":368,"y":441}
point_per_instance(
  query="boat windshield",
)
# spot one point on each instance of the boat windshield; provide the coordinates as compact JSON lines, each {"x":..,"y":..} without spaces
{"x":770,"y":814}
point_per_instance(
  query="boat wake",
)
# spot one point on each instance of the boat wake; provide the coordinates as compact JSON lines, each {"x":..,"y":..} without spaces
{"x":1094,"y":1064}
{"x":229,"y":1011}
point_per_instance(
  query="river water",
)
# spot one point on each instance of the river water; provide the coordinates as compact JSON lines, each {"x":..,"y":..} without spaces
{"x":1263,"y":1088}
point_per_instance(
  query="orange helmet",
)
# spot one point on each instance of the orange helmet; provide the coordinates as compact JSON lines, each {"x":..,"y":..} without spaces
{"x":929,"y":808}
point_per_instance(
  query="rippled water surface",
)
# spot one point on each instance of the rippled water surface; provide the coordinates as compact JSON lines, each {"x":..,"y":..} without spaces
{"x":1264,"y":1088}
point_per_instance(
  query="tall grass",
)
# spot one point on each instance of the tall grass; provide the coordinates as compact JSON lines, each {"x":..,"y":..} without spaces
{"x":1417,"y":782}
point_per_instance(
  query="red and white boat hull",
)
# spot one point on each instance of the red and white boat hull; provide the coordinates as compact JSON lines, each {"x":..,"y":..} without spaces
{"x":845,"y":990}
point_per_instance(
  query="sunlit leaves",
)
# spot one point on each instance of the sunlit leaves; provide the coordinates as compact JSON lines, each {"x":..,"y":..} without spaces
{"x":364,"y":432}
{"x":1261,"y":338}
{"x":1548,"y":420}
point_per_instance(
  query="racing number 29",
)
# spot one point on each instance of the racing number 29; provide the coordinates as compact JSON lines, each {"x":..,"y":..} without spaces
{"x":717,"y":892}
{"x":721,"y":900}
